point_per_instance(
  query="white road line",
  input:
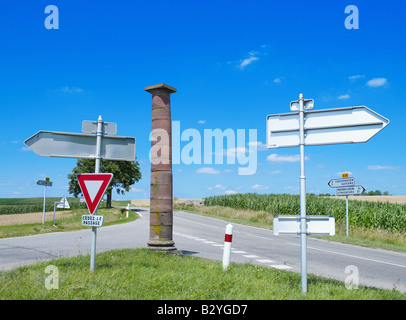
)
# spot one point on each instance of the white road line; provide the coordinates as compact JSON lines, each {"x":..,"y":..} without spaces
{"x":209,"y":242}
{"x":217,"y":245}
{"x":280,"y":266}
{"x":259,"y":237}
{"x":202,"y":224}
{"x":265,"y":260}
{"x":238,"y":251}
{"x":251,"y":256}
{"x":352,"y":256}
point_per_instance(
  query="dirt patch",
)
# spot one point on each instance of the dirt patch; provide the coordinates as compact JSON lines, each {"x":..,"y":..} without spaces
{"x":26,"y":218}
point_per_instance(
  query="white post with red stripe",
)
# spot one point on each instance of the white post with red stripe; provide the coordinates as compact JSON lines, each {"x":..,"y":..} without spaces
{"x":227,"y":246}
{"x":128,"y":209}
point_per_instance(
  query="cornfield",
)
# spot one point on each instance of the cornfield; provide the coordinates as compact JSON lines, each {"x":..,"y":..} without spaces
{"x":366,"y":214}
{"x":26,"y":205}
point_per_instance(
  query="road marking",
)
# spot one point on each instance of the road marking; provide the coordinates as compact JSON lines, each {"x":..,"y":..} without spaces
{"x":209,"y":242}
{"x":238,"y":251}
{"x":265,"y":260}
{"x":259,"y":237}
{"x":217,"y":245}
{"x":202,"y":224}
{"x":251,"y":256}
{"x":352,"y":256}
{"x":280,"y":266}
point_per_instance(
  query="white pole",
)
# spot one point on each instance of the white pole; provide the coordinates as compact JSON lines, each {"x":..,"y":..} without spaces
{"x":128,"y":209}
{"x":45,"y":196}
{"x":55,"y":210}
{"x":303,"y":226}
{"x":346,"y":214}
{"x":227,"y":246}
{"x":96,"y":170}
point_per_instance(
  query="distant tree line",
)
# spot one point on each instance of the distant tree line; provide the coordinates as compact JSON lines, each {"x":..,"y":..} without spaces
{"x":369,"y":193}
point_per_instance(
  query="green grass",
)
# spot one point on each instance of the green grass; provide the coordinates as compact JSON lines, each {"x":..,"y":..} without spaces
{"x":143,"y":274}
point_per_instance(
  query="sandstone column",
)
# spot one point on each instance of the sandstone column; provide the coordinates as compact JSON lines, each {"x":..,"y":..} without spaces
{"x":161,"y":214}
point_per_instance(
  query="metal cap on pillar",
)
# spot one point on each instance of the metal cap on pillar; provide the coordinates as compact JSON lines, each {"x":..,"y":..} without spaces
{"x":161,"y":200}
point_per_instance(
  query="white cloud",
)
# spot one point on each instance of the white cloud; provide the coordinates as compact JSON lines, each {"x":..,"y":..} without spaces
{"x":219,"y":186}
{"x":376,"y":167}
{"x":25,"y":149}
{"x":232,"y":152}
{"x":249,"y":60}
{"x":278,"y":158}
{"x":341,"y":173}
{"x":277,"y":80}
{"x":71,"y":90}
{"x":201,"y":121}
{"x":230,"y":192}
{"x":276,"y":172}
{"x":377,"y":82}
{"x":344,"y":96}
{"x":207,"y":170}
{"x":356,"y":77}
{"x":260,"y":146}
{"x":259,"y":187}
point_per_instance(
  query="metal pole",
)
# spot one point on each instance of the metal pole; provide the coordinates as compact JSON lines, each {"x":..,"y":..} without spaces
{"x":55,"y":210}
{"x":346,"y":214}
{"x":45,"y":196}
{"x":303,"y":226}
{"x":96,"y":170}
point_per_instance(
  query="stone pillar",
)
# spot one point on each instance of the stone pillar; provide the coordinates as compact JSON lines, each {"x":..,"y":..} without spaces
{"x":161,"y":211}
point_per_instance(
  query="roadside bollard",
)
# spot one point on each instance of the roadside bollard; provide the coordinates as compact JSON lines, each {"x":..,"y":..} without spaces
{"x":128,"y":209}
{"x":227,"y":246}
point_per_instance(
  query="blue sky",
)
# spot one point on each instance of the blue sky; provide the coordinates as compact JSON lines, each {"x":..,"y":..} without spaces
{"x":232,"y":62}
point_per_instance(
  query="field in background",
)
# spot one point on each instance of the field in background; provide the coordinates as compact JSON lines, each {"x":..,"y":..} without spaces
{"x":390,"y":199}
{"x":365,"y":214}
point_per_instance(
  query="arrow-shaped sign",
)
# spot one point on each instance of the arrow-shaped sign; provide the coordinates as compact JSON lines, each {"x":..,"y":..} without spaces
{"x":347,"y":191}
{"x":78,"y":145}
{"x":346,"y":182}
{"x":93,"y":186}
{"x":329,"y":126}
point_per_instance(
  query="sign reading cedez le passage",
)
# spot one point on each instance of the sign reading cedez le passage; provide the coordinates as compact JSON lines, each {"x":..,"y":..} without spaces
{"x":89,"y":220}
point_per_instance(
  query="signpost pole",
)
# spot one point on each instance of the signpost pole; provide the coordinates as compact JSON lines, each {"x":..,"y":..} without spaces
{"x":303,"y":231}
{"x":45,"y":197}
{"x":96,"y":170}
{"x":346,"y":214}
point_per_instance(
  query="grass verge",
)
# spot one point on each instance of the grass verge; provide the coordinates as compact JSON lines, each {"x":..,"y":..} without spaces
{"x":369,"y":237}
{"x":70,"y":221}
{"x":143,"y":274}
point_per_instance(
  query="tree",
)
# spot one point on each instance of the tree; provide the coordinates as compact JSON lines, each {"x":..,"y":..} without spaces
{"x":125,"y":174}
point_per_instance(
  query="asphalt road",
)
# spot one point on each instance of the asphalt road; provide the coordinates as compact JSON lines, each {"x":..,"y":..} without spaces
{"x":204,"y":237}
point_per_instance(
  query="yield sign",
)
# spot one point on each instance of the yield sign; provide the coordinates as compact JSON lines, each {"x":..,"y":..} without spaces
{"x":93,"y":186}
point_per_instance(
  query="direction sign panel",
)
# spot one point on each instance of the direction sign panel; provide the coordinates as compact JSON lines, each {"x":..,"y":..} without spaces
{"x":321,"y":127}
{"x":91,"y":127}
{"x":44,"y":183}
{"x":78,"y":145}
{"x":348,"y":191}
{"x":89,"y":220}
{"x":93,"y":186}
{"x":346,"y":182}
{"x":316,"y":225}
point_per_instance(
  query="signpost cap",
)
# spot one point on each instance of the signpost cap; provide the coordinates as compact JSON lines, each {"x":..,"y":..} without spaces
{"x":160,"y":86}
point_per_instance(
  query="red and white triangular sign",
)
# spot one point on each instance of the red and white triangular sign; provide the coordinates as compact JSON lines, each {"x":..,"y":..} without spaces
{"x":93,"y":186}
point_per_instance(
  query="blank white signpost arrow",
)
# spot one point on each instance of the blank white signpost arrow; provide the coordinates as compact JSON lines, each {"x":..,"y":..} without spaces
{"x":318,"y":127}
{"x":86,"y":146}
